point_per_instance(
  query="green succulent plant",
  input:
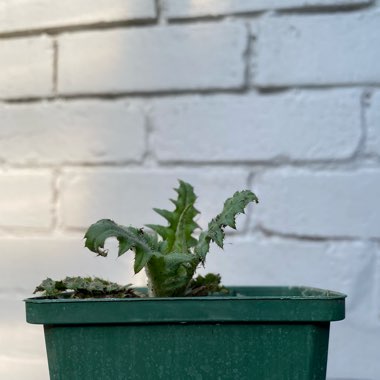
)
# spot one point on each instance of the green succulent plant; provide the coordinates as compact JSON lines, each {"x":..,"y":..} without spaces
{"x":171,"y":254}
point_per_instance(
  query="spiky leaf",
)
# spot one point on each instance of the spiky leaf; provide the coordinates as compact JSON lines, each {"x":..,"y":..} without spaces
{"x":178,"y":234}
{"x":129,"y":238}
{"x":232,"y":207}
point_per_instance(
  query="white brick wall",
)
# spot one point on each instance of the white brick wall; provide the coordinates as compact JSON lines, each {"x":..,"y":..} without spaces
{"x":299,"y":50}
{"x":26,"y":67}
{"x":105,"y":103}
{"x":373,"y":124}
{"x":71,"y":132}
{"x":320,"y":204}
{"x":182,"y":9}
{"x":57,"y":255}
{"x":331,"y":268}
{"x":130,"y":195}
{"x":26,"y":15}
{"x":293,"y":126}
{"x":26,"y":199}
{"x":152,"y":59}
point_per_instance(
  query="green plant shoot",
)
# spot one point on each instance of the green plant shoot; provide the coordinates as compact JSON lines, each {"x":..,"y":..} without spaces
{"x":171,"y":254}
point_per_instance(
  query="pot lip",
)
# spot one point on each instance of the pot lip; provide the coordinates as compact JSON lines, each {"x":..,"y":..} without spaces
{"x":247,"y":305}
{"x":238,"y":293}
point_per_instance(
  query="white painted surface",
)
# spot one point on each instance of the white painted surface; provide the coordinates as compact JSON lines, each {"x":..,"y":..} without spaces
{"x":320,"y":204}
{"x":373,"y":124}
{"x":104,"y":104}
{"x":304,"y":125}
{"x":26,"y":67}
{"x":26,"y":15}
{"x":299,"y":50}
{"x":153,"y":59}
{"x":183,"y":9}
{"x":59,"y":133}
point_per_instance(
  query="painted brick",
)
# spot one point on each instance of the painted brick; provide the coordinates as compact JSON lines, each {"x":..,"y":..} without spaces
{"x":336,"y":266}
{"x":57,"y":258}
{"x":322,"y":204}
{"x":128,"y":196}
{"x":179,"y":9}
{"x":44,"y":14}
{"x":373,"y":124}
{"x":71,"y":132}
{"x":25,"y":199}
{"x":26,"y":67}
{"x":312,"y":125}
{"x":153,"y":59}
{"x":300,"y":50}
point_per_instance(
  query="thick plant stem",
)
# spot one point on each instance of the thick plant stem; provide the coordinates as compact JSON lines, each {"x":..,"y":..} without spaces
{"x":166,"y":279}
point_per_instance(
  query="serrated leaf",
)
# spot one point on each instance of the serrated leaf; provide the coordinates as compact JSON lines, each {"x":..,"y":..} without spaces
{"x":178,"y":234}
{"x":165,"y":214}
{"x":129,"y":238}
{"x":203,"y":245}
{"x":141,"y":259}
{"x":232,"y":207}
{"x":161,"y":230}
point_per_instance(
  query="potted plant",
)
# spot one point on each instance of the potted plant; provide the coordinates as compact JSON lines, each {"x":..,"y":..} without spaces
{"x":181,"y":326}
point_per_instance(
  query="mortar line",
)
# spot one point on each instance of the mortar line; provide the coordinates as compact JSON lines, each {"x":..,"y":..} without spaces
{"x":238,"y":90}
{"x":162,"y":20}
{"x":262,"y":232}
{"x":96,"y":26}
{"x":268,"y":233}
{"x":160,"y":9}
{"x":125,"y":95}
{"x":365,"y":100}
{"x":309,"y":10}
{"x":57,"y":172}
{"x":284,"y":162}
{"x":247,"y":57}
{"x":55,"y":67}
{"x":328,"y":165}
{"x":247,"y":223}
{"x":321,"y":10}
{"x":149,"y":159}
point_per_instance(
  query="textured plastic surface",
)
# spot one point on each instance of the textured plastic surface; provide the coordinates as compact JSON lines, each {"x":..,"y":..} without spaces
{"x":263,"y":333}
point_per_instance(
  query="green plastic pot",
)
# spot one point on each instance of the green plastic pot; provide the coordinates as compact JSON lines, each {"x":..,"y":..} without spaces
{"x":256,"y":333}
